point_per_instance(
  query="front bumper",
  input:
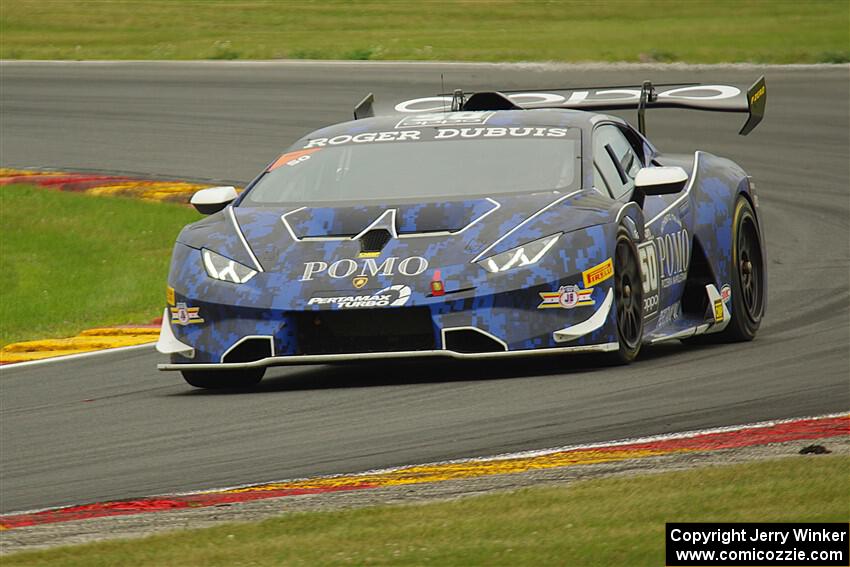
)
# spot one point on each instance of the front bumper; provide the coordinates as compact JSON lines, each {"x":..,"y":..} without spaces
{"x":590,"y":334}
{"x":546,"y":307}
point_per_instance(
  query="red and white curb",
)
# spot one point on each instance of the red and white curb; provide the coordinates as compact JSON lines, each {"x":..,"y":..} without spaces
{"x":755,"y":434}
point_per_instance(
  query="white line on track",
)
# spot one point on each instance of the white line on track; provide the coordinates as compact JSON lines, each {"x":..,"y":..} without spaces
{"x":531,"y":65}
{"x":66,"y":357}
{"x":499,"y":457}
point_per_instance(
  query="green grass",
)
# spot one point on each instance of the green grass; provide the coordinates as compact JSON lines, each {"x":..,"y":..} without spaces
{"x":776,"y":31}
{"x":598,"y":522}
{"x":73,"y":261}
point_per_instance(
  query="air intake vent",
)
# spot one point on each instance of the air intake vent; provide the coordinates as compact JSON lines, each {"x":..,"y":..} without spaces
{"x":374,"y":240}
{"x":341,"y":331}
{"x":471,"y":341}
{"x":249,"y":350}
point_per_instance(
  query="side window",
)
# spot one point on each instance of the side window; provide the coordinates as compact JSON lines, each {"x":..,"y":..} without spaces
{"x":615,"y":160}
{"x":599,"y":180}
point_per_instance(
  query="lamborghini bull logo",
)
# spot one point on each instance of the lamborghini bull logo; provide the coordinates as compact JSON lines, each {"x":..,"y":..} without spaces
{"x":346,"y":268}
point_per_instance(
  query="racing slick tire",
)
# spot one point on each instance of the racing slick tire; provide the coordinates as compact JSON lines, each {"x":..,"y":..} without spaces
{"x":221,"y":379}
{"x":628,"y":299}
{"x":748,"y":277}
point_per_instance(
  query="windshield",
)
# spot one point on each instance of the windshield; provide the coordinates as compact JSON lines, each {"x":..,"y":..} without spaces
{"x":415,"y":164}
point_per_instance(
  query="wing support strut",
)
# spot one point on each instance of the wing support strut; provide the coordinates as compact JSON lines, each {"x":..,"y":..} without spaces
{"x":647,"y":95}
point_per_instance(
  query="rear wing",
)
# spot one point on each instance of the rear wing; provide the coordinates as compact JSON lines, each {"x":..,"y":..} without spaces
{"x":717,"y":98}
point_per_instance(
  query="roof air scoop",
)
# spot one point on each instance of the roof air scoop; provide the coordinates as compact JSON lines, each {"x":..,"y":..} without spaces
{"x":490,"y":101}
{"x":375,"y":236}
{"x":374,"y":240}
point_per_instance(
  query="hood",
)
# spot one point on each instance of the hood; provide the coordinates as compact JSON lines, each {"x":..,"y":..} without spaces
{"x":465,"y":226}
{"x":307,"y":250}
{"x":324,"y":221}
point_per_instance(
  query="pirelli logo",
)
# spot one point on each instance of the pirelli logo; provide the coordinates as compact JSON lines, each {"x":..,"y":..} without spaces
{"x":598,"y":273}
{"x":757,"y":95}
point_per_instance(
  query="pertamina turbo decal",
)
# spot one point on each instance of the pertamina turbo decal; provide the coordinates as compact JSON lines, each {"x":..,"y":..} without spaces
{"x":393,"y":296}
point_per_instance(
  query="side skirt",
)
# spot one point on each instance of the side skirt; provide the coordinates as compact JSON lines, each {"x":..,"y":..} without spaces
{"x":717,"y":318}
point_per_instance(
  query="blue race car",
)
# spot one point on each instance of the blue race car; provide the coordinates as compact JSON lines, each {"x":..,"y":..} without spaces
{"x":472,"y":225}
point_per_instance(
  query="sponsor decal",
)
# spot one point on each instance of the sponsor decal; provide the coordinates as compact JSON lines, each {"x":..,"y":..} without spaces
{"x":650,"y":277}
{"x":448,"y":133}
{"x":757,"y":95}
{"x":577,"y":97}
{"x":393,"y":296}
{"x":368,"y":254}
{"x":650,"y":306}
{"x":359,"y":281}
{"x":567,"y":297}
{"x":669,"y":314}
{"x":718,"y":310}
{"x":346,"y":268}
{"x":726,"y":293}
{"x":442,"y":133}
{"x":364,"y":138}
{"x":446,"y":119}
{"x":184,"y":315}
{"x":291,"y":159}
{"x":169,"y":295}
{"x":598,"y":273}
{"x":674,"y":253}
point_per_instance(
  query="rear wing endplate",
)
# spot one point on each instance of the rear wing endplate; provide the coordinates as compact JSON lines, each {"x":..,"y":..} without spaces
{"x":756,"y":102}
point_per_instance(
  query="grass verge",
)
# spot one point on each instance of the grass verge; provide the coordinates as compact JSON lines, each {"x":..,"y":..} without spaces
{"x":73,"y":261}
{"x":616,"y":521}
{"x":778,"y":31}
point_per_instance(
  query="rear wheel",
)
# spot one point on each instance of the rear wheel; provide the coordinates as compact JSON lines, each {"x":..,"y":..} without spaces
{"x":628,"y":298}
{"x":219,"y":379}
{"x":748,"y":276}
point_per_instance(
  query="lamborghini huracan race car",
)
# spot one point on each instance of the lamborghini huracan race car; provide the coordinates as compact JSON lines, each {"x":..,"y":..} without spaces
{"x":472,"y":225}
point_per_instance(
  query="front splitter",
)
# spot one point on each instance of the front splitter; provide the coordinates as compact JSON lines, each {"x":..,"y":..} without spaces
{"x":297,"y":360}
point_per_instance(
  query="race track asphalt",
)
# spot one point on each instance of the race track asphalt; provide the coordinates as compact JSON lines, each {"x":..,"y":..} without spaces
{"x":110,"y":426}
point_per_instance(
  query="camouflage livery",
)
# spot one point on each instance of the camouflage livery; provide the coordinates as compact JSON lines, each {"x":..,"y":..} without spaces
{"x":308,"y":261}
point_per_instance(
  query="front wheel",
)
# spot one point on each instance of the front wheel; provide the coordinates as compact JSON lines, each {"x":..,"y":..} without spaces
{"x":220,"y":379}
{"x":628,"y":299}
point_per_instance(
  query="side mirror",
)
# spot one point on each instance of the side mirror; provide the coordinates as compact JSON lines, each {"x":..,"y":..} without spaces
{"x":214,"y":199}
{"x":661,"y":180}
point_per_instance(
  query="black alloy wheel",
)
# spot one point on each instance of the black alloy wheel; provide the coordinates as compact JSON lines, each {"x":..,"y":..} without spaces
{"x":749,"y":269}
{"x":628,"y":298}
{"x":748,"y":276}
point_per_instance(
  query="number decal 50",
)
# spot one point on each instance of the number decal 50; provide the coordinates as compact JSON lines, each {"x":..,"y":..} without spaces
{"x":648,"y":267}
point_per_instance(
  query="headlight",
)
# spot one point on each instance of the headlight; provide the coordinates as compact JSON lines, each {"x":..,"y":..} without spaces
{"x":225,"y":269}
{"x":524,"y":255}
